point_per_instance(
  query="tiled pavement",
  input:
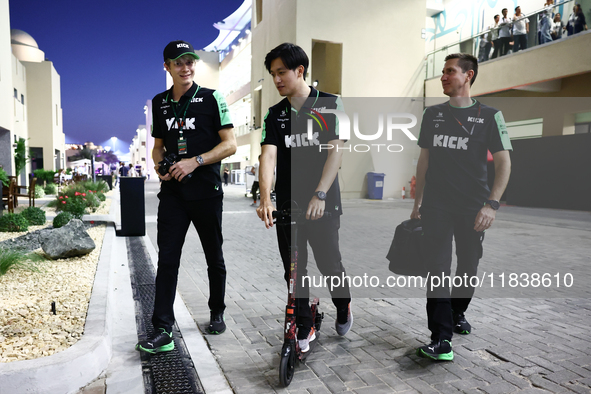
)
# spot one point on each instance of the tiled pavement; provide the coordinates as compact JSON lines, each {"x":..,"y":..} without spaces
{"x":532,"y":342}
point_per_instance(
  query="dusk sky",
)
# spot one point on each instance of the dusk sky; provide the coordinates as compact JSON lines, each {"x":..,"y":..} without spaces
{"x":109,"y":55}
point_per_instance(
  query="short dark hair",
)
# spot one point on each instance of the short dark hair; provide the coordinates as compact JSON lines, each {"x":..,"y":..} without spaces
{"x":495,"y":17}
{"x":516,"y":8}
{"x":504,"y":9}
{"x":291,"y":55}
{"x":466,"y":62}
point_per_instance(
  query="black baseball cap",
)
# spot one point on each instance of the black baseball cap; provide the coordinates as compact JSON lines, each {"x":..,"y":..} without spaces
{"x":176,"y":49}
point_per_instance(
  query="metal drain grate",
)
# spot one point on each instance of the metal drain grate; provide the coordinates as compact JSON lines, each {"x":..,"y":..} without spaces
{"x":164,"y":373}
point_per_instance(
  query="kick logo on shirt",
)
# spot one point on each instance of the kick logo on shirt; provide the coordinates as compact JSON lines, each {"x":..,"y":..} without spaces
{"x":188,"y":125}
{"x":474,"y":119}
{"x":451,"y":142}
{"x":301,"y":140}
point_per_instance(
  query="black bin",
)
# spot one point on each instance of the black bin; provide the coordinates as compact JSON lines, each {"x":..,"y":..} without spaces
{"x":106,"y":178}
{"x":133,"y":206}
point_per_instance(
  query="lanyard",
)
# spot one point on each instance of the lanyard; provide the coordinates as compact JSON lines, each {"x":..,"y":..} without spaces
{"x":465,"y":129}
{"x":181,"y":123}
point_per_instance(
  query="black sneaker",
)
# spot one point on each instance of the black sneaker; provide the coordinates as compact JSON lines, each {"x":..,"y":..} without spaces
{"x":461,"y":325}
{"x":216,"y":323}
{"x":162,"y":342}
{"x":437,"y":350}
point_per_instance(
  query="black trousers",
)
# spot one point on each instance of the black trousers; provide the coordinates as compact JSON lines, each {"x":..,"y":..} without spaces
{"x":505,"y":45}
{"x":520,"y":42}
{"x":254,"y":190}
{"x":439,"y":228}
{"x":323,"y":237}
{"x":174,"y":217}
{"x":497,"y":46}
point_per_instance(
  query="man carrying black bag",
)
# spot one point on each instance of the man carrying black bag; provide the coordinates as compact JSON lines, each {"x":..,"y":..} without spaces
{"x":453,"y":199}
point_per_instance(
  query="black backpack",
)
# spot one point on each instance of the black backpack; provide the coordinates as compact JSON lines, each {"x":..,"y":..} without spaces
{"x":406,"y":252}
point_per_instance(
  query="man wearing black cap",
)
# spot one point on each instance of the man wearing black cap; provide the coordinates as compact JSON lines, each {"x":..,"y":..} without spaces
{"x":193,"y":123}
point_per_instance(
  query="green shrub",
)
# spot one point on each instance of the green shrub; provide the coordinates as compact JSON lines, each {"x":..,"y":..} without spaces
{"x":75,"y":205}
{"x":98,"y":186}
{"x":4,"y":178}
{"x":51,"y":188}
{"x":39,"y":192}
{"x":35,"y":216}
{"x":10,"y":258}
{"x":43,"y":175}
{"x":13,"y":222}
{"x":62,"y":219}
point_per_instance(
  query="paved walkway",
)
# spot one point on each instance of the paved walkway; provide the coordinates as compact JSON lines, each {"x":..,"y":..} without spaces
{"x":535,"y":341}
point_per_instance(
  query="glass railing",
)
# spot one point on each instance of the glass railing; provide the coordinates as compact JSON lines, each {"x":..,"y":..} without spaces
{"x":486,"y":46}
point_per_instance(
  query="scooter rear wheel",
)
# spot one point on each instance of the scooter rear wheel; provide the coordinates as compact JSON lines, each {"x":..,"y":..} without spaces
{"x":287,"y":366}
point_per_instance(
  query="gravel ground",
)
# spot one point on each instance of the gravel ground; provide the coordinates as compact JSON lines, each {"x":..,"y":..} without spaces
{"x":28,"y":328}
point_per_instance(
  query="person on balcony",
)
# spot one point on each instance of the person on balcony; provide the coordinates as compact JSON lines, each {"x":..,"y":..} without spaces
{"x":557,"y":27}
{"x":505,"y":32}
{"x":547,"y":16}
{"x":520,"y":30}
{"x":496,"y":42}
{"x":579,"y":23}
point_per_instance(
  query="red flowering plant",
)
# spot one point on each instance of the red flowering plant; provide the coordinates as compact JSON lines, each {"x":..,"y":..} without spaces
{"x":80,"y":198}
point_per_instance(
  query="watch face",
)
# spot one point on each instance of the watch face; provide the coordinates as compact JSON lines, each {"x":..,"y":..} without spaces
{"x":321,"y":195}
{"x":494,"y":204}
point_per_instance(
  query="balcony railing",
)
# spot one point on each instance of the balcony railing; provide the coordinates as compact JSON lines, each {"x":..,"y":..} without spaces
{"x":435,"y":60}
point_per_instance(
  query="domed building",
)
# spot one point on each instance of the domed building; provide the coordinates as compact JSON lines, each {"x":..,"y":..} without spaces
{"x":30,"y":105}
{"x":24,"y":47}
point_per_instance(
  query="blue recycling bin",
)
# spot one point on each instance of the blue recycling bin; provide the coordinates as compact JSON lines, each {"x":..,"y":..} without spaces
{"x":375,"y":185}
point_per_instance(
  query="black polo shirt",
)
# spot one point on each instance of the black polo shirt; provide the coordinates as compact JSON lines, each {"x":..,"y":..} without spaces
{"x":458,"y":140}
{"x":300,"y":161}
{"x":207,"y":113}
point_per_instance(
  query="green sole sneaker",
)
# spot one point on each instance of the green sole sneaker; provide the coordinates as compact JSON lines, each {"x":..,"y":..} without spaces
{"x":164,"y":348}
{"x":439,"y":357}
{"x":437,"y":350}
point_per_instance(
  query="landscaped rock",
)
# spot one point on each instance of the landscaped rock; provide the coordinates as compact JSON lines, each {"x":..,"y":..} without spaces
{"x":68,"y":241}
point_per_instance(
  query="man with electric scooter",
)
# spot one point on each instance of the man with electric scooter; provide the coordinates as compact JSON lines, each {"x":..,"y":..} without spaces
{"x":306,"y":179}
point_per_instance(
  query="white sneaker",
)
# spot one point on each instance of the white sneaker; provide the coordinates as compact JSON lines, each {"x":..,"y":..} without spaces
{"x":305,"y":343}
{"x":344,"y":328}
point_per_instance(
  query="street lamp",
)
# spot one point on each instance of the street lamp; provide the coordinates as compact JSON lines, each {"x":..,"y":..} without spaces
{"x":114,"y":142}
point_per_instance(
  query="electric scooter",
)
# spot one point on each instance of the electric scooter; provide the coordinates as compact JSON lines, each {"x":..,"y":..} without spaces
{"x":291,"y":353}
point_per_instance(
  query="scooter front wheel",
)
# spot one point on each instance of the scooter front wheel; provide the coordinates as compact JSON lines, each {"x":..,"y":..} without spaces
{"x":287,"y":365}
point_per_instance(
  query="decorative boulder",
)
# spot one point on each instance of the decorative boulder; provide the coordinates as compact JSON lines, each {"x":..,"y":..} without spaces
{"x":68,"y":241}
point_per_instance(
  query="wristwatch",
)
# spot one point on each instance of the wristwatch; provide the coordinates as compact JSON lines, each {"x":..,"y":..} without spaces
{"x":494,"y":204}
{"x":321,"y":195}
{"x":199,"y":159}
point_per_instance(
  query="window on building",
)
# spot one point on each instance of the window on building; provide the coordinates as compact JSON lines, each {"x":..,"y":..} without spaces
{"x":327,"y":66}
{"x":22,"y":99}
{"x":15,"y":93}
{"x":530,"y":128}
{"x":259,"y":11}
{"x":143,"y":143}
{"x":582,"y":128}
{"x":257,"y":105}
